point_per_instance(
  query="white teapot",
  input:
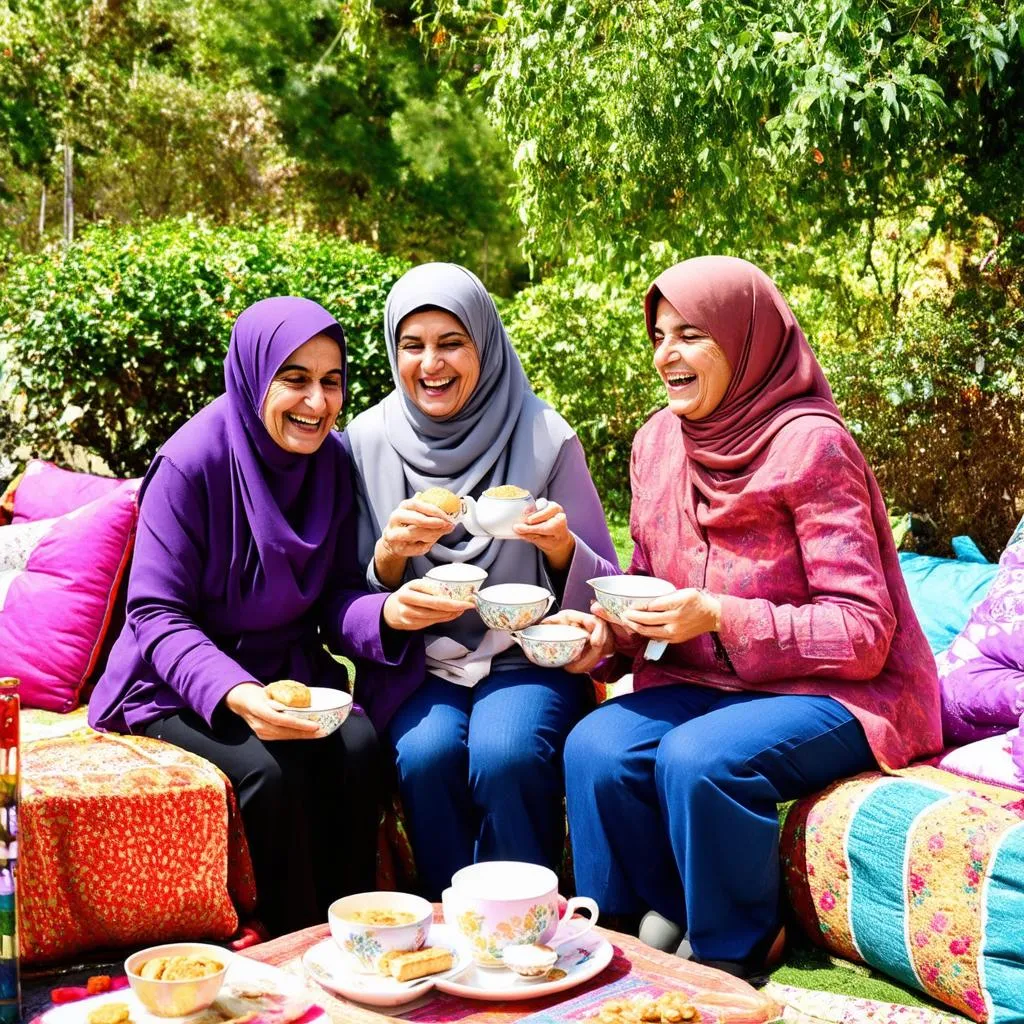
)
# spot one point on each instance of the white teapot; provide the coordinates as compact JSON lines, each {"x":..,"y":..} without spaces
{"x":490,"y":516}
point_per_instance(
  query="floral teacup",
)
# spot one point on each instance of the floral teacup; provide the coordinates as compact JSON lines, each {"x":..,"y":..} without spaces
{"x":501,"y":903}
{"x":512,"y":606}
{"x":457,"y":580}
{"x":367,"y":925}
{"x":550,"y":644}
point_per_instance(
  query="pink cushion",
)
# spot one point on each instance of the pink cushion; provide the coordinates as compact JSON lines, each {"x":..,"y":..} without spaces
{"x":46,"y":490}
{"x":58,"y":581}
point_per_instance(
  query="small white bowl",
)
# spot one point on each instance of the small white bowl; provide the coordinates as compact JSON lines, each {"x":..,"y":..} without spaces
{"x":177,"y":998}
{"x":512,"y":606}
{"x":551,"y":644}
{"x":362,"y":942}
{"x":617,"y":593}
{"x":457,"y":580}
{"x":327,"y":707}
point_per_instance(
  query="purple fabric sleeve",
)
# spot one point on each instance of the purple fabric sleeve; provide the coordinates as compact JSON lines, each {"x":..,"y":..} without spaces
{"x":163,"y":592}
{"x":572,"y":487}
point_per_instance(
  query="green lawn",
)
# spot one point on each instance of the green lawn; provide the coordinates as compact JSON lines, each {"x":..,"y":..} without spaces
{"x":623,"y":542}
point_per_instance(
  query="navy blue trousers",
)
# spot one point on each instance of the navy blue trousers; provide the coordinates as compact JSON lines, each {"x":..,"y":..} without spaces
{"x":480,"y":769}
{"x":672,"y":795}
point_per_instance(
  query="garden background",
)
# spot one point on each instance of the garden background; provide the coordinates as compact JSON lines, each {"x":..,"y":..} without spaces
{"x":164,"y":164}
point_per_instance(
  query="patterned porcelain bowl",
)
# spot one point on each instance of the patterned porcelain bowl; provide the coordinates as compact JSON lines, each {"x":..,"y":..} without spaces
{"x":550,"y":644}
{"x":369,"y":924}
{"x":457,"y":580}
{"x":512,"y":606}
{"x":327,"y":707}
{"x":182,"y":997}
{"x":616,"y":593}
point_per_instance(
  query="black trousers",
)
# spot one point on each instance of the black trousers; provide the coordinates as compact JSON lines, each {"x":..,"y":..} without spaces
{"x":310,"y":809}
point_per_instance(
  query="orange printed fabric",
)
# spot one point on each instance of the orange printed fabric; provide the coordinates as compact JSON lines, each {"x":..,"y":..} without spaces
{"x":126,"y":841}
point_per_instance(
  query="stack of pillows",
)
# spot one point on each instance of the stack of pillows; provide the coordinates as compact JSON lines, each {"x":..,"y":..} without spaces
{"x":62,"y":560}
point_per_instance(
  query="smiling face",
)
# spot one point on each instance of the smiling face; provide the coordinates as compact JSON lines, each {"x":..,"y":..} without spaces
{"x":438,"y":363}
{"x":305,"y":396}
{"x":695,"y":370}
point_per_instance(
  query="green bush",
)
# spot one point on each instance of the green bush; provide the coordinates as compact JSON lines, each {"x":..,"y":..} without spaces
{"x":585,"y":350}
{"x":935,"y":404}
{"x":114,"y":343}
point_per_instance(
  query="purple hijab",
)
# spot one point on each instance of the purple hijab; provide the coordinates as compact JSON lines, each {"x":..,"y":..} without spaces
{"x":279,"y":507}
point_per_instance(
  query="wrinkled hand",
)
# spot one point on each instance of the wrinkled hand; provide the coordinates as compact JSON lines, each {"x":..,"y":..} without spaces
{"x":250,"y":702}
{"x":548,"y":529}
{"x":414,"y":528}
{"x":416,"y":606}
{"x":602,"y":641}
{"x":676,"y":617}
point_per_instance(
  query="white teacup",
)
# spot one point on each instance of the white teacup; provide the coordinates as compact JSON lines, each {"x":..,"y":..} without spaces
{"x":617,"y":593}
{"x":367,"y":925}
{"x":457,"y":580}
{"x":502,"y":903}
{"x":488,"y":516}
{"x":511,"y":606}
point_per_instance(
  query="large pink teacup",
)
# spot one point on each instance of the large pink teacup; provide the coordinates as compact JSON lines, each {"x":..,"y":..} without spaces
{"x":501,"y":903}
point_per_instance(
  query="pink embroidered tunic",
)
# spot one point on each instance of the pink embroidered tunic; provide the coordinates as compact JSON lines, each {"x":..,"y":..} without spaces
{"x":813,"y":600}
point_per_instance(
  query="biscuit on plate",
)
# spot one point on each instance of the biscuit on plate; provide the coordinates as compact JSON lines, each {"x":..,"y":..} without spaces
{"x":290,"y":693}
{"x":109,"y":1013}
{"x":430,"y":960}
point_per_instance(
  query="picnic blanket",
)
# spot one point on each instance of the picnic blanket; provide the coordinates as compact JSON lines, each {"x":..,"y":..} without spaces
{"x":125,"y":841}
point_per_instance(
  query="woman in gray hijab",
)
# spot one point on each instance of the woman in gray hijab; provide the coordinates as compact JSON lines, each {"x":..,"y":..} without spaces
{"x":479,"y":738}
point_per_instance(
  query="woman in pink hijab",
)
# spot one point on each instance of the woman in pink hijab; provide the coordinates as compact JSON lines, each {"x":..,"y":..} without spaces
{"x":794,"y":657}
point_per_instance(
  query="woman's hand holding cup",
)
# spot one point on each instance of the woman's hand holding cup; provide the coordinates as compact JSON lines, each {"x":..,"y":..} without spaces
{"x":418,"y":605}
{"x":600,"y":646}
{"x":548,"y":529}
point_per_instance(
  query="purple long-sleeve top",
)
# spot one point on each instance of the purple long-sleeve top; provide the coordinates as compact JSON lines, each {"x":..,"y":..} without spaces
{"x":191,"y":634}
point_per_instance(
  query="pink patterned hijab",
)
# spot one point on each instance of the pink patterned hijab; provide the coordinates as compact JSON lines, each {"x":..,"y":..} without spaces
{"x":775,"y":376}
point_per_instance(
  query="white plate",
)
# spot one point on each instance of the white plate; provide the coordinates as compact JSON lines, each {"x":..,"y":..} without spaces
{"x":580,"y":958}
{"x":242,"y":975}
{"x":326,"y":964}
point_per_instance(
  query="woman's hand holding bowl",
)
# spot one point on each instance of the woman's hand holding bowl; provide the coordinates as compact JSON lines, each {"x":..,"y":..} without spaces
{"x":417,"y":605}
{"x":250,"y":702}
{"x":548,"y":529}
{"x":600,"y":646}
{"x":676,"y":617}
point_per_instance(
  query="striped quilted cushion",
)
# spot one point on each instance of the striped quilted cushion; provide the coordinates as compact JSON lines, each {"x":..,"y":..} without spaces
{"x":921,"y":876}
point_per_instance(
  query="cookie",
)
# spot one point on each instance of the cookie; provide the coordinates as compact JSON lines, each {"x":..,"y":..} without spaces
{"x":419,"y":964}
{"x":290,"y":693}
{"x":447,"y":501}
{"x":109,"y":1013}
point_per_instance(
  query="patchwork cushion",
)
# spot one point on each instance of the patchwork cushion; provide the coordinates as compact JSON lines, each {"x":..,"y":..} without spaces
{"x":58,"y":583}
{"x":45,"y":490}
{"x":920,"y":875}
{"x":982,"y":672}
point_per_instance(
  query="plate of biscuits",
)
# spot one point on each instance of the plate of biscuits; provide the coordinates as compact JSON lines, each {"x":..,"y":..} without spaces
{"x":402,"y":977}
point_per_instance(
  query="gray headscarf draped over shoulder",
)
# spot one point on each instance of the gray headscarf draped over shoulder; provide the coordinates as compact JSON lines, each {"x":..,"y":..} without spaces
{"x":503,"y":435}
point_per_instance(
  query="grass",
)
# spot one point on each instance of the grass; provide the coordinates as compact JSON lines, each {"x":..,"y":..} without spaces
{"x":619,"y":529}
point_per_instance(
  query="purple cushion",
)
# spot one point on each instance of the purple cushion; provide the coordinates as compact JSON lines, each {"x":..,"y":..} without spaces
{"x":982,"y":672}
{"x":46,"y":491}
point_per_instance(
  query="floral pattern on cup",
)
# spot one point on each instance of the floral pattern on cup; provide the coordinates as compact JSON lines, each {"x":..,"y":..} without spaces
{"x":365,"y":948}
{"x":363,"y":943}
{"x":551,"y":646}
{"x":512,"y":606}
{"x":515,"y":930}
{"x":615,"y":593}
{"x":457,"y":581}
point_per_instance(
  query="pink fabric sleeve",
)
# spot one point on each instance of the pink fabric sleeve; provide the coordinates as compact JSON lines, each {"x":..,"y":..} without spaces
{"x":845,"y":629}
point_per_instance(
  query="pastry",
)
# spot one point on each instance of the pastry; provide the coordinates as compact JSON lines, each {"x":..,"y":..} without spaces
{"x":289,"y":693}
{"x":668,"y":1008}
{"x":506,"y":491}
{"x":109,"y":1013}
{"x":447,"y":501}
{"x":179,"y":968}
{"x":430,"y":960}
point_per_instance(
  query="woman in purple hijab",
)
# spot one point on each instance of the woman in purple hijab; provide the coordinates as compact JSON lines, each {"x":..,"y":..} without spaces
{"x":244,"y":567}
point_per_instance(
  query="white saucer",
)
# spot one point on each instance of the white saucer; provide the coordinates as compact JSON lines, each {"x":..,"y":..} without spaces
{"x":580,"y":958}
{"x":326,"y":964}
{"x":243,"y":975}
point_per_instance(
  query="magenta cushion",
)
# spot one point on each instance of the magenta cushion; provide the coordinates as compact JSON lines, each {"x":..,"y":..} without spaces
{"x":58,"y":582}
{"x":46,"y":490}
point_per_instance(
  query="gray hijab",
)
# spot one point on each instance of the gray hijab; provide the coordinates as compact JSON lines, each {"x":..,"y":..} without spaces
{"x":503,"y":435}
